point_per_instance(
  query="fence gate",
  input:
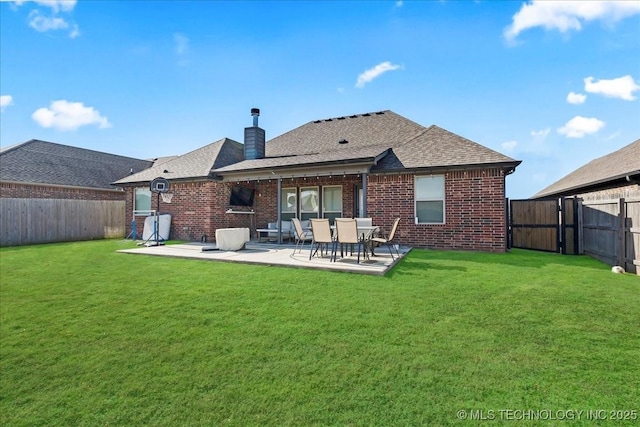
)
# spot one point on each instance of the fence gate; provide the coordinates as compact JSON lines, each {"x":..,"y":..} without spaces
{"x":544,"y":225}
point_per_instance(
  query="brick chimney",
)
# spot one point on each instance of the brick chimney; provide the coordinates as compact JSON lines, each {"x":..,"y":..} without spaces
{"x":254,"y":139}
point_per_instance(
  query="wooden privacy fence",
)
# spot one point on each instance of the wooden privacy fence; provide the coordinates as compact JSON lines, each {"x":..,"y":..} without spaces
{"x":611,"y":231}
{"x":31,"y":221}
{"x":545,"y":225}
{"x":608,"y":230}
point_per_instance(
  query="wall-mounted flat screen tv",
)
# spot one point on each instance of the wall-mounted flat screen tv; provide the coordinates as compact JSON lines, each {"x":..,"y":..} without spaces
{"x":241,"y":196}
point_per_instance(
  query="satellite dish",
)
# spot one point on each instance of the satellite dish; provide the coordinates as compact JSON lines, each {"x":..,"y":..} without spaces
{"x":159,"y":185}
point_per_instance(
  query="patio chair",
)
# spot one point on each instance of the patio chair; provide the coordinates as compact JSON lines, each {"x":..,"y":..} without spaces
{"x":321,"y":232}
{"x":347,"y":233}
{"x":301,"y":235}
{"x":381,"y":240}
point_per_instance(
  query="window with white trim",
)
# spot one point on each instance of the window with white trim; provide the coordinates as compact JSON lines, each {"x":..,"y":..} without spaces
{"x":332,"y":202}
{"x":142,"y":201}
{"x":429,"y":199}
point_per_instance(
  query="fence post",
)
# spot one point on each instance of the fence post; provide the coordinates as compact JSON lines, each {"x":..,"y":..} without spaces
{"x":622,"y":215}
{"x":579,"y":228}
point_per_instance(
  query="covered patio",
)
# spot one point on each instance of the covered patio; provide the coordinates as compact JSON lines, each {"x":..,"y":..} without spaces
{"x":281,"y":192}
{"x":276,"y":255}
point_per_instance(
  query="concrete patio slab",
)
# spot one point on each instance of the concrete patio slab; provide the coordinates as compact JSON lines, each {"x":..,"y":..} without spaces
{"x":273,"y":254}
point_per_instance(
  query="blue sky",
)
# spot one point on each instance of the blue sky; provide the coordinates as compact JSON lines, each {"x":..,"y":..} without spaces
{"x":554,"y":84}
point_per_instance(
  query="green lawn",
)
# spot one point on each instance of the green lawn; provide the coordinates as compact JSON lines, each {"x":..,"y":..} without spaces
{"x":93,"y":337}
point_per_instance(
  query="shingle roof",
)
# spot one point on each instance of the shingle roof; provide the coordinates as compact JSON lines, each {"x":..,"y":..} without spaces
{"x":385,"y":140}
{"x":613,"y":166}
{"x":369,"y":135}
{"x":45,"y":162}
{"x":321,"y":136}
{"x":437,"y":147}
{"x":341,"y":155}
{"x":195,"y":164}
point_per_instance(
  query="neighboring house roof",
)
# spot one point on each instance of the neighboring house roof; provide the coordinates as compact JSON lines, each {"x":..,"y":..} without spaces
{"x":388,"y":140}
{"x":195,"y":164}
{"x":611,"y":168}
{"x":42,"y":162}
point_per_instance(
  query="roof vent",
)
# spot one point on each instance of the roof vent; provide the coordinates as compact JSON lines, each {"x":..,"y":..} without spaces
{"x":366,"y":115}
{"x":343,"y":141}
{"x":317,"y":121}
{"x":379,"y":113}
{"x":340,"y":118}
{"x":255,"y":113}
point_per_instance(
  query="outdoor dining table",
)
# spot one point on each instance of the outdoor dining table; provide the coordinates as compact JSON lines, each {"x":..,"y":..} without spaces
{"x":365,"y":232}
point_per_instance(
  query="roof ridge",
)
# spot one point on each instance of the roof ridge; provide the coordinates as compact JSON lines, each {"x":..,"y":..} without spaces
{"x":14,"y":146}
{"x":353,"y":116}
{"x":66,"y":147}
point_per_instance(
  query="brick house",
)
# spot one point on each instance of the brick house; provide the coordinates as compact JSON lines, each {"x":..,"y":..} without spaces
{"x":45,"y":170}
{"x":448,"y":191}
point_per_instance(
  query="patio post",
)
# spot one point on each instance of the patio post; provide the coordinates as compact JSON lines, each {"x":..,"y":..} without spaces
{"x":279,"y":201}
{"x":364,"y":195}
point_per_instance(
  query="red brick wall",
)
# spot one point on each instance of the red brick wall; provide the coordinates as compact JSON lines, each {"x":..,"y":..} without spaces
{"x":24,"y":191}
{"x":474,"y":208}
{"x":197,"y":209}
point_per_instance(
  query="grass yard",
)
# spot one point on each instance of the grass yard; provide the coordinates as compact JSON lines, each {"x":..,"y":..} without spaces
{"x":92,"y":337}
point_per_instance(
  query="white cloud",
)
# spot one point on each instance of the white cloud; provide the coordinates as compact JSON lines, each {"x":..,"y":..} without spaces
{"x":375,"y":72}
{"x":51,"y":20}
{"x":580,"y":126}
{"x":5,"y":101}
{"x":622,"y":87}
{"x":576,"y":98}
{"x":567,"y":15}
{"x":55,"y":5}
{"x":399,"y":3}
{"x":46,"y":23}
{"x":543,"y":133}
{"x":509,"y":145}
{"x":65,"y":115}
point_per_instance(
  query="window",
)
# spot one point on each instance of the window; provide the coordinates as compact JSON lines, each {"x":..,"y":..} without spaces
{"x":309,"y":202}
{"x":289,"y":204}
{"x":429,"y":197}
{"x":142,"y":201}
{"x":332,"y":202}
